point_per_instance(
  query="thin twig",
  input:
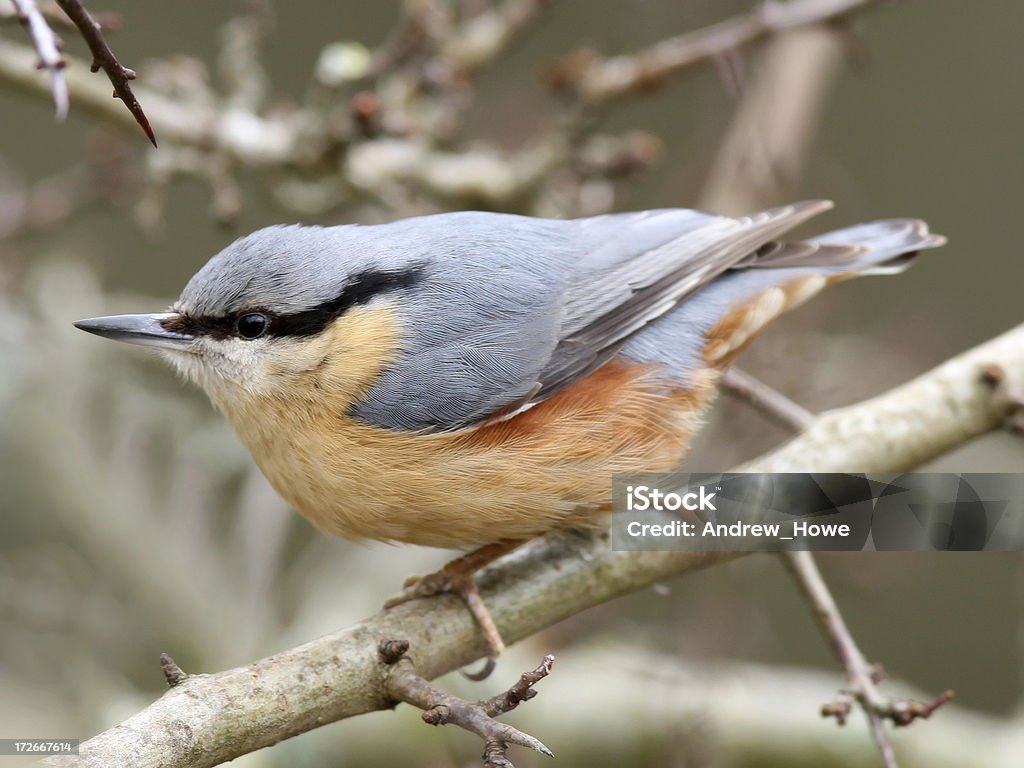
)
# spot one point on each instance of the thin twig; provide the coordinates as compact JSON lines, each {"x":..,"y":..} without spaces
{"x":766,"y":399}
{"x":48,"y":47}
{"x":597,"y":81}
{"x":104,"y":58}
{"x":439,"y":707}
{"x":862,"y":676}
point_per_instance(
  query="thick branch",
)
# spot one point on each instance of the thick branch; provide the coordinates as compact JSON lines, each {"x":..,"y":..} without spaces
{"x":915,"y":422}
{"x":209,"y":719}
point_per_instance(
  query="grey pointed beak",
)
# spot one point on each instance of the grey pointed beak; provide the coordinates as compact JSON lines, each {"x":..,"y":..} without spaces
{"x":146,"y":330}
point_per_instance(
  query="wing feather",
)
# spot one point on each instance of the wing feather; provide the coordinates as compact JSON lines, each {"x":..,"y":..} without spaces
{"x":605,"y":310}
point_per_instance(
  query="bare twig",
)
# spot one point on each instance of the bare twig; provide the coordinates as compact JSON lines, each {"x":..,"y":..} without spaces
{"x":714,"y":712}
{"x":862,"y":676}
{"x":48,"y":47}
{"x":439,"y":707}
{"x":766,"y":399}
{"x":597,"y":81}
{"x":104,"y":58}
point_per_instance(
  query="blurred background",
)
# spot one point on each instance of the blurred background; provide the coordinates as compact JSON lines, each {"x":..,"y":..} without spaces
{"x":132,"y":522}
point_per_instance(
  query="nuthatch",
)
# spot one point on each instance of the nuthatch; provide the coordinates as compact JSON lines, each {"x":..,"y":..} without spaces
{"x":471,"y":379}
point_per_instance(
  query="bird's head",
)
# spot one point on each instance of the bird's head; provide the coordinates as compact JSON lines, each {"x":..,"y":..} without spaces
{"x":287,"y":310}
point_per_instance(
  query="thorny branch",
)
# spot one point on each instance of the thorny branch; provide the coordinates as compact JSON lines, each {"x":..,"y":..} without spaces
{"x":103,"y":57}
{"x":48,"y":47}
{"x":439,"y":707}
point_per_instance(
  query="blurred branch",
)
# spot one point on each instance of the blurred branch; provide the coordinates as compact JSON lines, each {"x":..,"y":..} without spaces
{"x":762,"y":157}
{"x":383,"y":127}
{"x":598,"y":81}
{"x":103,"y":57}
{"x":769,"y":401}
{"x":213,"y":718}
{"x":48,"y":47}
{"x":911,"y":424}
{"x":483,"y":37}
{"x":862,"y":676}
{"x":738,"y":714}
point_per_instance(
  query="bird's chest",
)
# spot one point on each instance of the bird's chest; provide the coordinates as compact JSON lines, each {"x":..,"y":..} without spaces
{"x":547,"y":468}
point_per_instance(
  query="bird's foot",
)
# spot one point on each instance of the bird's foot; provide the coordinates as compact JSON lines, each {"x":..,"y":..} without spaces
{"x":457,"y":578}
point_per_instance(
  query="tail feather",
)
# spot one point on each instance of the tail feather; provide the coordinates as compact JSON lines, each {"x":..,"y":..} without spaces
{"x":891,"y":244}
{"x":717,"y":321}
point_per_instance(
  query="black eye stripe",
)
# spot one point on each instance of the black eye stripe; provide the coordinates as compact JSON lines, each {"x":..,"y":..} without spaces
{"x":214,"y":327}
{"x":360,"y":289}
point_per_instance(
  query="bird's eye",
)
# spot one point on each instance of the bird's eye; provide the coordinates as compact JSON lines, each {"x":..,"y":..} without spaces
{"x":252,"y":325}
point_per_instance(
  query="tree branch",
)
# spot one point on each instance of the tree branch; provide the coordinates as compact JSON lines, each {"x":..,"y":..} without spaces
{"x":103,"y":57}
{"x":863,"y":677}
{"x":209,"y":719}
{"x":439,"y":707}
{"x":768,"y":400}
{"x":598,"y":81}
{"x":913,"y":423}
{"x":739,"y":714}
{"x":48,"y":47}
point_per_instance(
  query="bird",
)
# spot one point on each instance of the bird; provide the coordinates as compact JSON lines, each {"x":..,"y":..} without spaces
{"x":472,"y":380}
